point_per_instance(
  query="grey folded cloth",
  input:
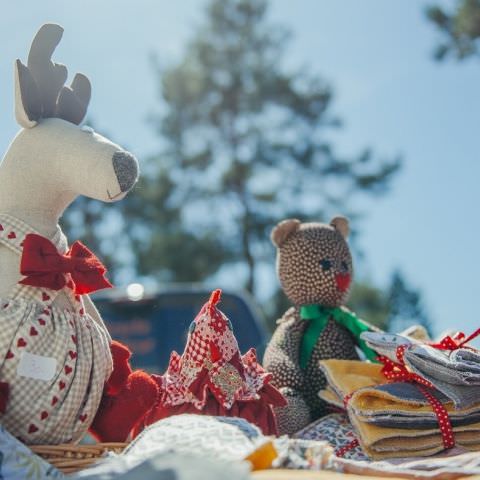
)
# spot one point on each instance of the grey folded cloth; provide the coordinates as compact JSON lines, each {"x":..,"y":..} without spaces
{"x":409,"y":392}
{"x":469,"y":357}
{"x":453,"y":378}
{"x":415,"y":422}
{"x":457,"y":366}
{"x":386,"y":344}
{"x":455,"y":373}
{"x":412,"y":419}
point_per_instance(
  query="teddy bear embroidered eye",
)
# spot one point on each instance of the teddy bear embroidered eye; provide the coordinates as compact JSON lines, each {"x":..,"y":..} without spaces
{"x":314,"y":266}
{"x":60,"y":372}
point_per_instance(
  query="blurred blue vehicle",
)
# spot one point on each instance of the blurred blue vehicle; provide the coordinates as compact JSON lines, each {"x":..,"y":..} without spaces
{"x":155,"y":323}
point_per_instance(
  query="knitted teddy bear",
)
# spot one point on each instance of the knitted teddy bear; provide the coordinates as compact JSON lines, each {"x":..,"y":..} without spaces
{"x":60,"y":372}
{"x":314,"y":266}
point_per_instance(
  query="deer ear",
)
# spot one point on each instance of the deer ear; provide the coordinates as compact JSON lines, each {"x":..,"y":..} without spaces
{"x":28,"y":108}
{"x":341,"y":225}
{"x":283,"y":230}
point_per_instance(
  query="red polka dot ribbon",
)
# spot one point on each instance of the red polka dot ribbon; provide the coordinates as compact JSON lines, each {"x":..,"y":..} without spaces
{"x":455,"y":342}
{"x":347,"y":398}
{"x":340,"y":452}
{"x":444,"y":423}
{"x":398,"y":372}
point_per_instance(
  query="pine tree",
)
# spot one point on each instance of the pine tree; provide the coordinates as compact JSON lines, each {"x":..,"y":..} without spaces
{"x":370,"y":303}
{"x":246,"y":147}
{"x":460,"y":28}
{"x":406,"y":306}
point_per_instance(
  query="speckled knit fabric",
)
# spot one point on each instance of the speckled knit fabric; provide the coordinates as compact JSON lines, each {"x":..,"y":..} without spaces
{"x":301,"y":387}
{"x":314,"y":266}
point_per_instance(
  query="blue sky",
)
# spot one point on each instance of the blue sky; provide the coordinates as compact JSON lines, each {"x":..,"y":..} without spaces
{"x":390,"y":93}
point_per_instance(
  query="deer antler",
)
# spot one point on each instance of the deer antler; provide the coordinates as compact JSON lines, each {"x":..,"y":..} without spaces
{"x":49,"y":76}
{"x":73,"y":101}
{"x":42,"y":83}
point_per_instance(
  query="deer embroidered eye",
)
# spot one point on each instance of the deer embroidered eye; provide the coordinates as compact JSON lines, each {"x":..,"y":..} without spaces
{"x":325,"y":264}
{"x":88,"y":129}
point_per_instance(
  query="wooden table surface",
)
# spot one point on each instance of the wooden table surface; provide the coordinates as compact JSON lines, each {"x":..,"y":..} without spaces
{"x":324,"y":475}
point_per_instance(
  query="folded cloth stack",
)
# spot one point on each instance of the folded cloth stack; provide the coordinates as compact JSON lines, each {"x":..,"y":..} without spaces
{"x":396,"y":420}
{"x":455,"y":373}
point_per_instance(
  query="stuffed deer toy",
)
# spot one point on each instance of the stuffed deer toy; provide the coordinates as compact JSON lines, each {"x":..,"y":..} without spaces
{"x":60,"y":372}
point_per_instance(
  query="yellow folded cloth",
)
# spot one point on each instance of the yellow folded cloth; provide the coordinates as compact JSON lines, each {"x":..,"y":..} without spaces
{"x":329,"y":396}
{"x":347,"y":376}
{"x":381,"y":442}
{"x":370,"y":401}
{"x":357,"y":381}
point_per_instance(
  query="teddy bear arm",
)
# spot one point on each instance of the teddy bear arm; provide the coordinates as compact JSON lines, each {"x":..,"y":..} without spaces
{"x":281,"y":355}
{"x":295,"y":415}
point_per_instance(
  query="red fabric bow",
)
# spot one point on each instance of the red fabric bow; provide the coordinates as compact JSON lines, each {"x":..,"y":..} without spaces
{"x":458,"y":341}
{"x":398,"y":372}
{"x":78,"y":269}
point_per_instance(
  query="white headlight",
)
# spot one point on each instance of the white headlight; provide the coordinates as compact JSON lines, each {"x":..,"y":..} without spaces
{"x":135,"y":291}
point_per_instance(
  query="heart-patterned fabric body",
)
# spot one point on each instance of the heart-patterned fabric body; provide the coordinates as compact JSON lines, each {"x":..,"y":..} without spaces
{"x":54,"y":360}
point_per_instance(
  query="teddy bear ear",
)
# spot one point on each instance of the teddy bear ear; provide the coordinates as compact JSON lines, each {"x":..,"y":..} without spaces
{"x":283,"y":230}
{"x":341,"y":225}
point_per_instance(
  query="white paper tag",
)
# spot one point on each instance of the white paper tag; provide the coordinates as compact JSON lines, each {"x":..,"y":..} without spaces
{"x":36,"y":366}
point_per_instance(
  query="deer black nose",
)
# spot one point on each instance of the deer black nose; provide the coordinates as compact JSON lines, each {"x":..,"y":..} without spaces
{"x":125,"y":166}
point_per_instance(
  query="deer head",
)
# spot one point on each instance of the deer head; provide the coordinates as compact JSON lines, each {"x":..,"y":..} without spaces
{"x":52,"y":160}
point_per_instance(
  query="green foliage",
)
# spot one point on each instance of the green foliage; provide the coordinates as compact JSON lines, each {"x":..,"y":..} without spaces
{"x":394,"y":309}
{"x":246,"y":144}
{"x":406,"y":306}
{"x":460,"y":28}
{"x":370,"y":303}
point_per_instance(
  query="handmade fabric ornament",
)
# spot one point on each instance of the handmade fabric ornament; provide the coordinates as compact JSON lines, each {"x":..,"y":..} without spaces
{"x":213,"y":378}
{"x":314,"y":266}
{"x":57,"y":359}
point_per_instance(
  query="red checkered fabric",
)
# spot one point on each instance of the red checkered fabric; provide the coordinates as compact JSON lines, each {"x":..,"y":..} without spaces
{"x":212,"y":377}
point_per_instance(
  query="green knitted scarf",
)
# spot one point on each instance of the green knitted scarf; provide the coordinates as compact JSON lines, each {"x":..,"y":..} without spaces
{"x":318,"y":316}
